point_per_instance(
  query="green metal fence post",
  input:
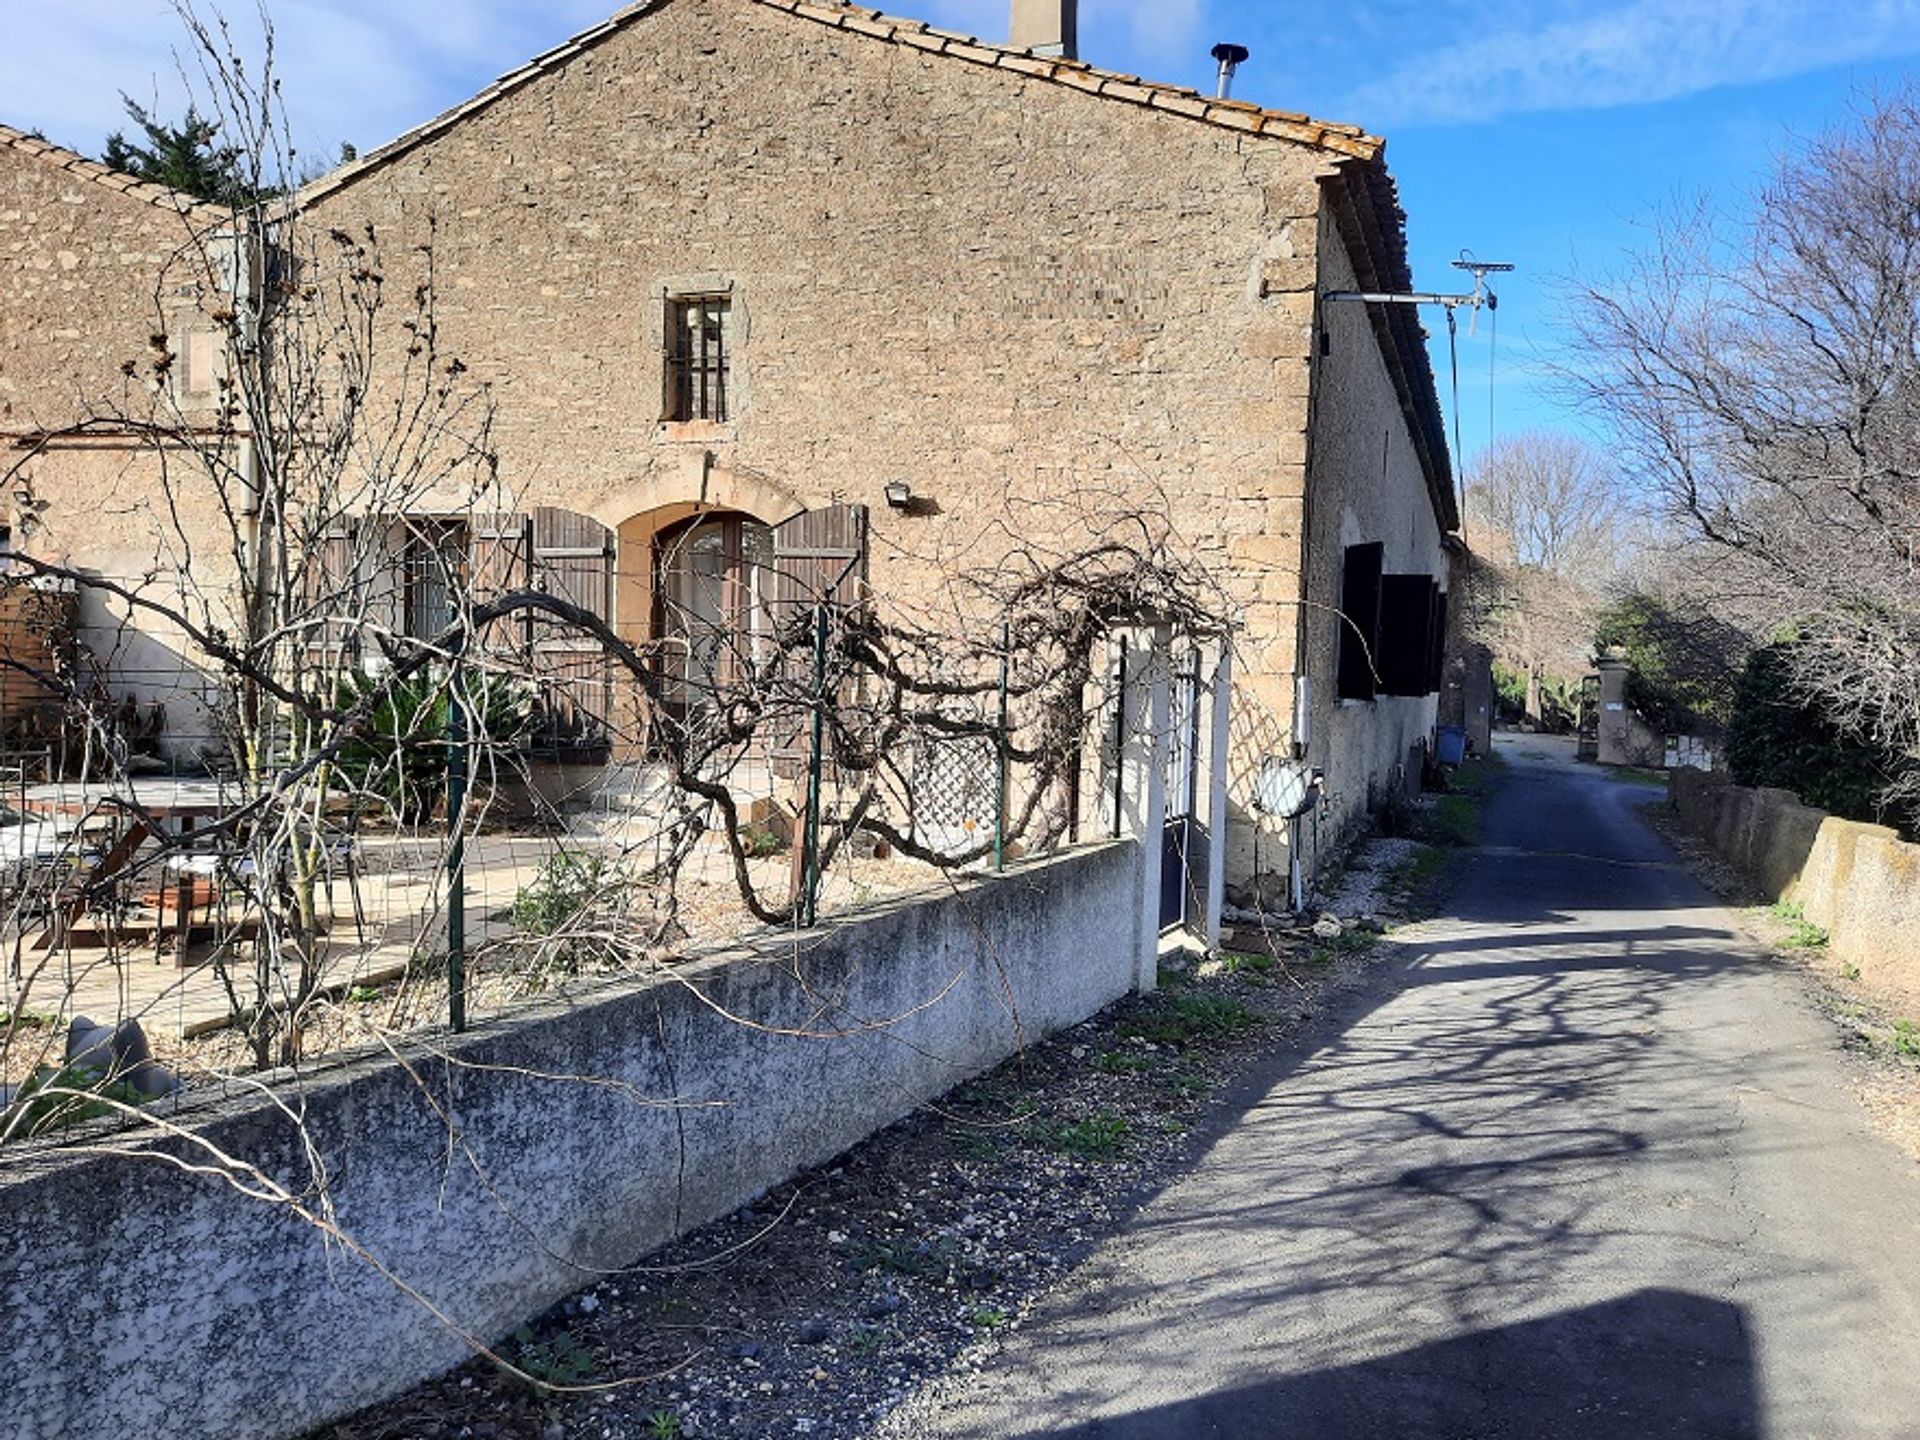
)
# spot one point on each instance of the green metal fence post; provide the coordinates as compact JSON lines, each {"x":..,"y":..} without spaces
{"x":456,"y":855}
{"x":810,"y":893}
{"x":1001,"y":744}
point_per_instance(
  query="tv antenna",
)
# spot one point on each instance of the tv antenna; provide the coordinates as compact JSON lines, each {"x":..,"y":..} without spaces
{"x":1481,"y":298}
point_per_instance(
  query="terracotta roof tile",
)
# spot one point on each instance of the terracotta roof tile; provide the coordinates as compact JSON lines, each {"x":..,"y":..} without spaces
{"x":94,"y":173}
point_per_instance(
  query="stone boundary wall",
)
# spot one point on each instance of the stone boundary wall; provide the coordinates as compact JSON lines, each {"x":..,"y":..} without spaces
{"x":1860,"y":883}
{"x":137,"y":1299}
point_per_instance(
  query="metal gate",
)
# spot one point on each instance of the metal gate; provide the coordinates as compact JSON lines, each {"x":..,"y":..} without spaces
{"x":1184,"y":841}
{"x":1587,"y":725}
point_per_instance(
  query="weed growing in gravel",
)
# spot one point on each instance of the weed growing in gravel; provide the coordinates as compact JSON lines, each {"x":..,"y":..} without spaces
{"x":1254,"y":963}
{"x":558,"y":1360}
{"x":1417,"y":870}
{"x":978,"y":1144}
{"x":1098,"y":1137}
{"x":920,"y":1259}
{"x":1454,"y":820}
{"x":988,"y":1317}
{"x":1124,"y":1062}
{"x":1906,"y":1038}
{"x":1187,"y":1086}
{"x":1192,"y":1015}
{"x":865,"y":1340}
{"x":1635,"y":775}
{"x":1802,"y":933}
{"x":1351,"y":942}
{"x":664,"y":1425}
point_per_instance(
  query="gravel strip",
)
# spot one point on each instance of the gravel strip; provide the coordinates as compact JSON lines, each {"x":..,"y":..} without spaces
{"x":827,"y":1304}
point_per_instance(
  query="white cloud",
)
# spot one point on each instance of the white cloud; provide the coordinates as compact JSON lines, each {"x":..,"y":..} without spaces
{"x":1640,"y":52}
{"x":367,"y":70}
{"x":359,"y":70}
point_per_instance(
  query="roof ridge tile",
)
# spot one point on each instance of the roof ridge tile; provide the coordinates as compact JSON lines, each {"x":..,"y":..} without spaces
{"x":1348,"y":141}
{"x":105,"y":176}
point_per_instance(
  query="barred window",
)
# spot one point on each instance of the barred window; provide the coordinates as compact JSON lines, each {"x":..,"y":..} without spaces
{"x":697,"y":357}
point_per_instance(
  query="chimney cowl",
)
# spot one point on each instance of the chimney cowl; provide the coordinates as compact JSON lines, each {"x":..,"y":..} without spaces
{"x":1047,"y":27}
{"x":1231,"y":58}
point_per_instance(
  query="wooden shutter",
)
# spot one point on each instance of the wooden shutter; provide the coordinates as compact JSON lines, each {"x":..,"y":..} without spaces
{"x":325,"y":591}
{"x":1437,"y":650}
{"x":1406,"y":633}
{"x":499,"y":555}
{"x":571,"y":558}
{"x":820,"y":555}
{"x":1360,"y":621}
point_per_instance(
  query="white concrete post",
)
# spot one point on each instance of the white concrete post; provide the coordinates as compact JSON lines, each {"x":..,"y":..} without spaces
{"x":1219,"y":742}
{"x":1147,"y":705}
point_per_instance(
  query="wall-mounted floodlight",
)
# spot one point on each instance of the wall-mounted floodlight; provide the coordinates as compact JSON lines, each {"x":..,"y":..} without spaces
{"x":899,"y":495}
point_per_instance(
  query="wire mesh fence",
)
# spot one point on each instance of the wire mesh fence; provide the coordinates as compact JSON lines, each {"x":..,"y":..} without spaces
{"x":511,"y":817}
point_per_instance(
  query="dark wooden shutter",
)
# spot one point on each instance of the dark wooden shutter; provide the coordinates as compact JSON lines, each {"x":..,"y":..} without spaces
{"x":1437,"y":650}
{"x":499,"y":560}
{"x":1360,"y":621}
{"x":572,"y":557}
{"x":1406,"y":633}
{"x":325,"y":592}
{"x":820,"y":555}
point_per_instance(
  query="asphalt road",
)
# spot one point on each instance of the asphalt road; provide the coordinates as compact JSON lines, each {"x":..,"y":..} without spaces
{"x":1578,"y":1161}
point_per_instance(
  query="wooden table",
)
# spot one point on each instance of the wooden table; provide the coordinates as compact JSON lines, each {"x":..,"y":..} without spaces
{"x":155,"y":808}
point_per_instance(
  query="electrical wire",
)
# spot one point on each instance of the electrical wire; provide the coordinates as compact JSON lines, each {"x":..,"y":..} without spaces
{"x":1493,"y":349}
{"x":1459,"y":455}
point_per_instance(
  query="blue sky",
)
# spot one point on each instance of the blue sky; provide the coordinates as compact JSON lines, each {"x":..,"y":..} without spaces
{"x":1543,"y":132}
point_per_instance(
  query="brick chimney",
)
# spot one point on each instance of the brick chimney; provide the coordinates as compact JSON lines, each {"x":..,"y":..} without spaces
{"x":1047,"y":27}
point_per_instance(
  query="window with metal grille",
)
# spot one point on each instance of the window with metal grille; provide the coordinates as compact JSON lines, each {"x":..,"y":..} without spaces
{"x":697,"y":357}
{"x":434,"y":568}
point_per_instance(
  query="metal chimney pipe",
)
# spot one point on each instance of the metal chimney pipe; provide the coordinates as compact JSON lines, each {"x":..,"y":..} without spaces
{"x":1047,"y":27}
{"x":1231,"y":58}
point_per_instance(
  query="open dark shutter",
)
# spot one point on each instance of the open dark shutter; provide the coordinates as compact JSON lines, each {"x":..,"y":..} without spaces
{"x":1406,"y":633}
{"x":1360,"y":621}
{"x":1437,"y":649}
{"x":572,"y":560}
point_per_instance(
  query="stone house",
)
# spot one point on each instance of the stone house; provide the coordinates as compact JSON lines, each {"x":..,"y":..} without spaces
{"x":737,"y":271}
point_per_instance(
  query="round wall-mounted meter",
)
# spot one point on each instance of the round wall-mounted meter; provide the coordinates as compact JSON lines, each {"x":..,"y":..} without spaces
{"x":1283,"y":789}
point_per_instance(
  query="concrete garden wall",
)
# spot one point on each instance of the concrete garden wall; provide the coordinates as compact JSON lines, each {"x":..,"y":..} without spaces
{"x":137,"y":1299}
{"x":1860,"y":883}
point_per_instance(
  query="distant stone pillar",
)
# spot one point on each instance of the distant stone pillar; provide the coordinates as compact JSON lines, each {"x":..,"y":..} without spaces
{"x":1615,"y":719}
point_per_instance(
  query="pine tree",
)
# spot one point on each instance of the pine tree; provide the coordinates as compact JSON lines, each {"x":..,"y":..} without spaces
{"x":188,"y":157}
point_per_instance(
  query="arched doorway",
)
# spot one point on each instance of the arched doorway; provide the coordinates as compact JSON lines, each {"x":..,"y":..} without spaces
{"x":712,"y":588}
